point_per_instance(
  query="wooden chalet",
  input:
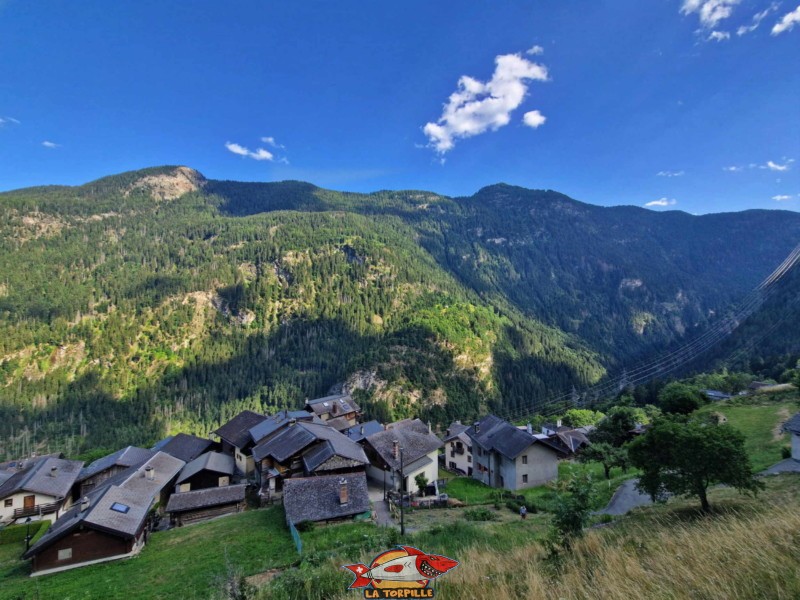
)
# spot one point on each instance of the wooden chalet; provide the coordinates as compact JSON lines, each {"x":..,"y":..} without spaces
{"x":236,"y":439}
{"x":338,"y":411}
{"x":199,"y":505}
{"x":210,"y":470}
{"x":107,"y":467}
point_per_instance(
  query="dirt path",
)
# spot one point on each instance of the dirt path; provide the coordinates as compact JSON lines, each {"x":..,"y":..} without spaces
{"x":777,"y":431}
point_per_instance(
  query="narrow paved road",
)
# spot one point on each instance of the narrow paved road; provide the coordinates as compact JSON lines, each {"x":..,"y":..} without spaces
{"x":625,"y":498}
{"x":383,"y":517}
{"x":785,"y":466}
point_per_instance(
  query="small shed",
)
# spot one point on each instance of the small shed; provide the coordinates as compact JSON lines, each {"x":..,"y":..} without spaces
{"x":191,"y":507}
{"x":212,"y":469}
{"x":793,"y":427}
{"x":325,"y":498}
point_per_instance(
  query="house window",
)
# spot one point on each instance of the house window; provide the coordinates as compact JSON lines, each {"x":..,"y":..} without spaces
{"x":8,"y":502}
{"x":469,"y":459}
{"x":525,"y":478}
{"x":452,"y":465}
{"x":120,"y":508}
{"x":524,"y":459}
{"x":65,"y":554}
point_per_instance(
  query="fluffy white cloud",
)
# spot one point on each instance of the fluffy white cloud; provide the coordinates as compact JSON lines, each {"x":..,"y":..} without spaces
{"x":50,"y":145}
{"x":773,"y":166}
{"x":787,"y":22}
{"x":533,"y":119}
{"x":710,"y":12}
{"x":259,"y":154}
{"x":476,"y":107}
{"x":534,"y":51}
{"x":757,"y":18}
{"x":671,"y":173}
{"x":781,"y":198}
{"x":718,"y":36}
{"x":271,"y":141}
{"x":662,"y":202}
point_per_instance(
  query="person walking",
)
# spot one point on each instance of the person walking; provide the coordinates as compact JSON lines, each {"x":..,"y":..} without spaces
{"x":523,"y":511}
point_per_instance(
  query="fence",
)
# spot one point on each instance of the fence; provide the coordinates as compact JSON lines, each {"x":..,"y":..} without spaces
{"x":296,"y":537}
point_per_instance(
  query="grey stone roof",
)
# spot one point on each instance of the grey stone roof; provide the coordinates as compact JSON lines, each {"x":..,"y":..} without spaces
{"x":274,"y":422}
{"x":47,"y":476}
{"x":131,"y":456}
{"x":416,"y":465}
{"x":237,"y":431}
{"x":793,"y":424}
{"x":496,"y":435}
{"x":227,"y":494}
{"x":295,"y":439}
{"x":186,"y":447}
{"x":334,"y":406}
{"x":362,"y":430}
{"x":333,"y":444}
{"x":165,"y":468}
{"x":317,"y":498}
{"x":414,"y":438}
{"x":455,"y":431}
{"x":210,"y":461}
{"x":288,"y":442}
{"x":338,"y":423}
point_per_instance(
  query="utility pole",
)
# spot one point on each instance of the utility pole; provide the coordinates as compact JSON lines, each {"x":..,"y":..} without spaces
{"x":402,"y":496}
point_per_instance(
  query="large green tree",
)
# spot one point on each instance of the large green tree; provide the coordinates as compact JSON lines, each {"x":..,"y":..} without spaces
{"x":679,"y":398}
{"x":686,"y":457}
{"x":607,"y":455}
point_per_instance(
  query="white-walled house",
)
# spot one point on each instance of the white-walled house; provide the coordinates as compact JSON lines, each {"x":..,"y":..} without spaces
{"x":458,"y":448}
{"x":793,"y":427}
{"x":39,"y":488}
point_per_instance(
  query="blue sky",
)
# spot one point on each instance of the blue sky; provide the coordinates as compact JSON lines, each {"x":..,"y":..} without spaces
{"x":682,"y":102}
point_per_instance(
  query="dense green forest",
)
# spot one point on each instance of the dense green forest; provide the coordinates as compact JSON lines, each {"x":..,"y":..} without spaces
{"x":156,"y":301}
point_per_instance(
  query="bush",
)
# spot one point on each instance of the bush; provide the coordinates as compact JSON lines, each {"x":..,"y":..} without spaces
{"x":786,"y":452}
{"x":480,"y":514}
{"x":305,"y":526}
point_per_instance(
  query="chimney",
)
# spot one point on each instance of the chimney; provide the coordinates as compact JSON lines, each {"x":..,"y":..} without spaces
{"x":53,"y":471}
{"x":477,"y":426}
{"x":558,"y":423}
{"x":458,"y":421}
{"x":429,"y":427}
{"x":529,"y":427}
{"x":334,"y":408}
{"x":447,"y":433}
{"x":84,"y":503}
{"x":343,"y":491}
{"x":396,"y":449}
{"x":292,"y":422}
{"x":150,"y":473}
{"x":362,"y":430}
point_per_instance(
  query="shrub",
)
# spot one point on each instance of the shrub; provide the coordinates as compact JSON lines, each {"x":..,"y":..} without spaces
{"x":786,"y":452}
{"x":305,"y":526}
{"x":480,"y":514}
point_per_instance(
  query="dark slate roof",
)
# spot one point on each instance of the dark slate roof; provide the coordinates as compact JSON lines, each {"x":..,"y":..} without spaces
{"x":228,"y":494}
{"x":335,"y":406}
{"x":47,"y":476}
{"x":413,"y":436}
{"x":274,"y":422}
{"x":333,"y":444}
{"x":416,"y":465}
{"x":186,"y":447}
{"x":210,"y":461}
{"x":237,"y":431}
{"x":288,"y":442}
{"x":362,"y":430}
{"x":295,"y":439}
{"x":338,"y":423}
{"x":495,"y":434}
{"x":317,"y":498}
{"x":793,"y":424}
{"x":454,"y":431}
{"x":130,"y":456}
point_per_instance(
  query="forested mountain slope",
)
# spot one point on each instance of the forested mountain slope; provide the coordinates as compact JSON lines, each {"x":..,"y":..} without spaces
{"x":156,"y":300}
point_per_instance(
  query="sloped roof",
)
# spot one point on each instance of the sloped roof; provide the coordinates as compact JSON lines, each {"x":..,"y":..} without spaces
{"x":334,"y":444}
{"x":335,"y":405}
{"x":495,"y":434}
{"x":280,"y":419}
{"x":210,"y":461}
{"x":456,"y":429}
{"x":362,"y":430}
{"x":793,"y":424}
{"x":293,"y":440}
{"x":186,"y":447}
{"x":414,"y":438}
{"x":317,"y":498}
{"x":130,"y":456}
{"x":288,"y":442}
{"x":237,"y":431}
{"x":338,"y":423}
{"x":193,"y":500}
{"x":47,"y":476}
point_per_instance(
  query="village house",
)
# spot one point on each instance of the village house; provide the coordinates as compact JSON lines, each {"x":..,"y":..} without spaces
{"x":304,"y":448}
{"x":236,"y":439}
{"x":37,"y":488}
{"x":109,"y":523}
{"x":184,"y":446}
{"x":458,"y":449}
{"x":210,"y":470}
{"x":793,"y":427}
{"x":512,"y":458}
{"x":568,"y":439}
{"x":361,"y":431}
{"x":401,"y":452}
{"x":198,"y":505}
{"x":325,"y":498}
{"x":106,"y":467}
{"x":338,"y":411}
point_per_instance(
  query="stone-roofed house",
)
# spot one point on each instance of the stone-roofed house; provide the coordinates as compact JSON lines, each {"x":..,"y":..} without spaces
{"x":326,"y":498}
{"x":198,"y":505}
{"x":210,"y":470}
{"x":512,"y":458}
{"x":106,"y":467}
{"x":185,"y":447}
{"x":304,"y":448}
{"x":418,"y":446}
{"x":237,"y":441}
{"x":39,"y":488}
{"x":793,"y":427}
{"x":458,"y":448}
{"x":340,"y":409}
{"x":110,"y":522}
{"x":360,"y":431}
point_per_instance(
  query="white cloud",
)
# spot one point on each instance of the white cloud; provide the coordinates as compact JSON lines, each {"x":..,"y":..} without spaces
{"x":476,"y":107}
{"x":787,"y":22}
{"x":50,"y":145}
{"x":671,"y":173}
{"x":271,"y":141}
{"x":533,"y":119}
{"x":781,"y":198}
{"x":773,"y":166}
{"x":710,"y":12}
{"x":259,"y":154}
{"x":662,"y":202}
{"x":718,"y":36}
{"x":7,"y":120}
{"x":534,"y":51}
{"x":733,"y":169}
{"x":757,"y":18}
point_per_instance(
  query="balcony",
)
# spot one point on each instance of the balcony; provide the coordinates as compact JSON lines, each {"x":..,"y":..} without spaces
{"x":37,"y":510}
